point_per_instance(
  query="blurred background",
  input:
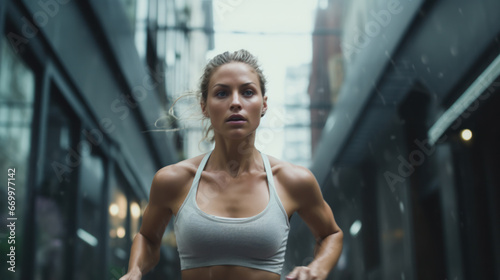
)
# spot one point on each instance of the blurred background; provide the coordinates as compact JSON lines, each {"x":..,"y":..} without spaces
{"x":393,"y":104}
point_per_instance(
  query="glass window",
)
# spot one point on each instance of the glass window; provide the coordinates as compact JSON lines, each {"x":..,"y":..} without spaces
{"x":136,"y":210}
{"x":54,"y":208}
{"x":89,"y":249}
{"x":125,"y":212}
{"x":137,"y":14}
{"x":17,"y":89}
{"x":141,"y":27}
{"x":130,"y":7}
{"x":118,"y":244}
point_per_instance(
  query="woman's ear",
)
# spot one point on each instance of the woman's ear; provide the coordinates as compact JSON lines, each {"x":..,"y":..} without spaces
{"x":204,"y":109}
{"x":264,"y":107}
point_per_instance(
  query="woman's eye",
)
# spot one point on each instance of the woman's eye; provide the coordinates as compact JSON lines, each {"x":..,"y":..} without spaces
{"x":248,"y":92}
{"x":220,"y":94}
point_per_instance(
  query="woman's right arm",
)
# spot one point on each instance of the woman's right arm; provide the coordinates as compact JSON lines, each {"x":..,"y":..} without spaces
{"x":145,"y":252}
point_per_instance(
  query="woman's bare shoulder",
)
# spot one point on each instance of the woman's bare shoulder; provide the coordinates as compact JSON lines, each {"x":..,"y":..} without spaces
{"x":294,"y":178}
{"x":171,"y":179}
{"x":291,"y":174}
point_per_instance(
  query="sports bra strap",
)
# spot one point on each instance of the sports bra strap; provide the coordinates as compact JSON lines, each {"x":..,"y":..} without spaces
{"x":201,"y":167}
{"x":269,"y":172}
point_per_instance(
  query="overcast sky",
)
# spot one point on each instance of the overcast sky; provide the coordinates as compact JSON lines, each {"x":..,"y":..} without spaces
{"x":287,"y":25}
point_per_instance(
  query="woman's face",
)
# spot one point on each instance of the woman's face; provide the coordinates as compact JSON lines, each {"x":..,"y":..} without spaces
{"x":234,"y":101}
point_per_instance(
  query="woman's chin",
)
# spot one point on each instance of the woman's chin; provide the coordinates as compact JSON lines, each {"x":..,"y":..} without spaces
{"x":239,"y":135}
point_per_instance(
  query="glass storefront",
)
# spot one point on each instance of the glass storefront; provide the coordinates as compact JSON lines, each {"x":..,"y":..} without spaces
{"x":118,"y":229}
{"x":125,"y":211}
{"x":55,"y":197}
{"x":78,"y":204}
{"x":90,"y":242}
{"x":17,"y":94}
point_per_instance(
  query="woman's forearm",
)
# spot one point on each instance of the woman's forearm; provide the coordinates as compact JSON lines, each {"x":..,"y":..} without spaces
{"x":327,"y":254}
{"x":144,"y":255}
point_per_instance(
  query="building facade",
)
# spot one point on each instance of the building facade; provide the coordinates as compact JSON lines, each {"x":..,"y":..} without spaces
{"x":407,"y":153}
{"x":83,"y":87}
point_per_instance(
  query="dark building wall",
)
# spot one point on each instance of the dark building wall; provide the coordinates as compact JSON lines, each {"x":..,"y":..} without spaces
{"x":93,"y":43}
{"x":77,"y":102}
{"x":424,"y":211}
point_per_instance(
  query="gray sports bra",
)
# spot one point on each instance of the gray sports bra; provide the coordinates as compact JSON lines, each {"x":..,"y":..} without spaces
{"x":257,"y":242}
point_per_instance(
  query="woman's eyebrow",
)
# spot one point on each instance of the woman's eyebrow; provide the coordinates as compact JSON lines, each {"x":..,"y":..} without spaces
{"x":226,"y":86}
{"x":247,"y":84}
{"x":220,"y":85}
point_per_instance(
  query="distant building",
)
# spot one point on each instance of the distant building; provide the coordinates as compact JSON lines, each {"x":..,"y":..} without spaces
{"x":327,"y":65}
{"x":298,"y":130}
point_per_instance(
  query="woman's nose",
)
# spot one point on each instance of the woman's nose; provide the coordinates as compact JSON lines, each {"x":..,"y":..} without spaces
{"x":235,"y":100}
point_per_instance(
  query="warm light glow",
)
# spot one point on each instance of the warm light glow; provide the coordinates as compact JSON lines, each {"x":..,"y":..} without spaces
{"x":135,"y":210}
{"x":112,"y":233}
{"x":121,"y":201}
{"x":466,"y":134}
{"x":120,"y":232}
{"x":113,"y":209}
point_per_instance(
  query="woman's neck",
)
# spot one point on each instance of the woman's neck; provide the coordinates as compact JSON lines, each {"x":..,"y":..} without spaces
{"x":235,"y":157}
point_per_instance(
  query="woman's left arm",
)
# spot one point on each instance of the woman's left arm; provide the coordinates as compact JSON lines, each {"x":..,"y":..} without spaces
{"x":318,"y":215}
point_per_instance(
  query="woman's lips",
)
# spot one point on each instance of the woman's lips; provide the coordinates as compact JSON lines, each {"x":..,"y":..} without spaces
{"x":236,"y":119}
{"x":237,"y":122}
